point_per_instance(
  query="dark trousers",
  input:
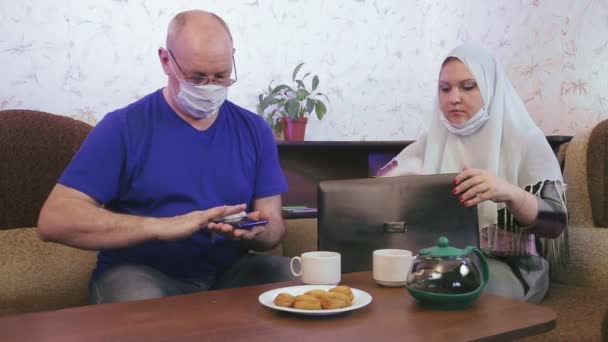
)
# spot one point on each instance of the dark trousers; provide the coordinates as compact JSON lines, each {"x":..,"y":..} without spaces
{"x":136,"y":282}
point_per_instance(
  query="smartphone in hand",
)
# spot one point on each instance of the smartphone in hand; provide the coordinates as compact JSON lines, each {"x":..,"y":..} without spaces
{"x":241,"y":221}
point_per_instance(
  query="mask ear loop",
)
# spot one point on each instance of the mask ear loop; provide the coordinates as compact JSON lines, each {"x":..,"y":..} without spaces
{"x":174,"y":74}
{"x":170,"y":87}
{"x":236,"y":77}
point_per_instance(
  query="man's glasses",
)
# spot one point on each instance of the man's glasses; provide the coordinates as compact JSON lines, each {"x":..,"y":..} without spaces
{"x":203,"y":80}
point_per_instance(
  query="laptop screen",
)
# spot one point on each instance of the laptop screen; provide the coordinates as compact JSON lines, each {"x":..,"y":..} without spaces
{"x":358,"y":216}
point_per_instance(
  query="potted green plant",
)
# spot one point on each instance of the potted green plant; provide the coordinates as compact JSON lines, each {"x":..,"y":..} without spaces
{"x":286,"y":108}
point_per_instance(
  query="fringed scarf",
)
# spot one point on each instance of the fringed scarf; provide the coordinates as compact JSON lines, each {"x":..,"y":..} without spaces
{"x":556,"y":251}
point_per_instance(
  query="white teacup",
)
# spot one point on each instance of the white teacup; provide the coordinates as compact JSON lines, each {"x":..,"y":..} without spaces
{"x":318,"y":268}
{"x":391,"y":266}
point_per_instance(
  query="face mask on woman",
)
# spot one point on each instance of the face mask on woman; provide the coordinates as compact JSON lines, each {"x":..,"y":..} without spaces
{"x":469,"y":127}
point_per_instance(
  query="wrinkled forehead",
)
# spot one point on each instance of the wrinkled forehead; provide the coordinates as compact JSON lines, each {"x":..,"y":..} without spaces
{"x":481,"y":65}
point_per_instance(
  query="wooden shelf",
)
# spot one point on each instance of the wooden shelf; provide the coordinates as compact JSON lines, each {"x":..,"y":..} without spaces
{"x":306,"y":163}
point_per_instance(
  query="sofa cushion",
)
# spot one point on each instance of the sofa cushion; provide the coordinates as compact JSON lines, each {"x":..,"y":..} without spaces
{"x":597,"y":173}
{"x":301,"y":237}
{"x":561,"y":155}
{"x":38,"y":276}
{"x":35,"y":147}
{"x":605,"y":327}
{"x":575,"y":177}
{"x":588,"y":258}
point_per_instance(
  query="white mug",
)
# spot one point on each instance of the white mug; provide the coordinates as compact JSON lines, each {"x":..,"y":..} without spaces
{"x":391,"y":266}
{"x":318,"y":268}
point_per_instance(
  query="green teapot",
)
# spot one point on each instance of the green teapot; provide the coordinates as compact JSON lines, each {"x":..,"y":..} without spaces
{"x":446,"y":277}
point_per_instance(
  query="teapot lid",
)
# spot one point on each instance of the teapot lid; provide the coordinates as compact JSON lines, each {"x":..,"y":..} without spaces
{"x":444,"y":250}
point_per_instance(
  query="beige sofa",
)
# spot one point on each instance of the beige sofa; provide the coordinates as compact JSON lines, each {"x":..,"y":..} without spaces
{"x":579,"y":293}
{"x":35,"y":147}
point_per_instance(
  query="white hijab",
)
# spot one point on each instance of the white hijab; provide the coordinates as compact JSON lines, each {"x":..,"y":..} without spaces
{"x":509,"y":144}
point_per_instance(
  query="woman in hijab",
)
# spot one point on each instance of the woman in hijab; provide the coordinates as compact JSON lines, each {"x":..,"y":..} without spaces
{"x":506,"y":168}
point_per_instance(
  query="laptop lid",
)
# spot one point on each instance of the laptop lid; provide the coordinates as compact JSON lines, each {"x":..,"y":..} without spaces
{"x":358,"y":216}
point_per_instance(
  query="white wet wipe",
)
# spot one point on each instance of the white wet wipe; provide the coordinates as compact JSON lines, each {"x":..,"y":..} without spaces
{"x":234,"y":217}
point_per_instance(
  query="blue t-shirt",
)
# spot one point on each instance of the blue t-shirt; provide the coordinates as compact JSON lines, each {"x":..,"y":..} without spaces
{"x":145,"y":160}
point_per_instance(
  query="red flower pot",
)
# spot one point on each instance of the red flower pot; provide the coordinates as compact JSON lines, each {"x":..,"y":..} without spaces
{"x":294,"y":130}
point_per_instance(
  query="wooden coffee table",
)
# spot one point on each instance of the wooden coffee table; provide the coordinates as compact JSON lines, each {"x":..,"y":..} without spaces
{"x":236,"y":314}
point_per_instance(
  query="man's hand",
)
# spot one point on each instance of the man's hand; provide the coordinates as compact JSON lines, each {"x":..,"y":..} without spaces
{"x":475,"y":186}
{"x":182,"y":226}
{"x":236,"y":233}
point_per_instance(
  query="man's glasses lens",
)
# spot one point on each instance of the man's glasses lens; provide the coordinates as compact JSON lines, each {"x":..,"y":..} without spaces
{"x":203,"y":80}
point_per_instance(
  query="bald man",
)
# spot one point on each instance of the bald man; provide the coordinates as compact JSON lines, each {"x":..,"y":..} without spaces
{"x":151,"y":178}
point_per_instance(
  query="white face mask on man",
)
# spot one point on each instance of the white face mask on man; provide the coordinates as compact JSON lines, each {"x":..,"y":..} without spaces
{"x":469,"y":127}
{"x":202,"y":101}
{"x":199,"y":101}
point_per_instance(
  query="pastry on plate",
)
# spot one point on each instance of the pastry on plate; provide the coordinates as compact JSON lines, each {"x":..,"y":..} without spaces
{"x":307,"y":302}
{"x":285,"y":300}
{"x":343,"y":289}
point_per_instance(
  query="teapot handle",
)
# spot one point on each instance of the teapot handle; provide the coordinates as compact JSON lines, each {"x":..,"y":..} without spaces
{"x":484,"y":267}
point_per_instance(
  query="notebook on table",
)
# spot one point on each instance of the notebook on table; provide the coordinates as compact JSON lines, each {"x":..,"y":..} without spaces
{"x":358,"y":216}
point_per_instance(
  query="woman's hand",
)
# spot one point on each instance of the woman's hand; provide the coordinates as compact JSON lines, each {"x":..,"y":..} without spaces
{"x":475,"y":186}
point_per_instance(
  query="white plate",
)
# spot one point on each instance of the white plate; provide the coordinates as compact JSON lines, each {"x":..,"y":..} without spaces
{"x":361,"y":299}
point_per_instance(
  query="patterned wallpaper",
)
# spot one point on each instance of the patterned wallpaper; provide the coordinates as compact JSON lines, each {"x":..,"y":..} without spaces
{"x":378,"y":60}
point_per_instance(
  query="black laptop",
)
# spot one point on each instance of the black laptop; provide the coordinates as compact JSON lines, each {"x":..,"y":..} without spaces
{"x":358,"y":216}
